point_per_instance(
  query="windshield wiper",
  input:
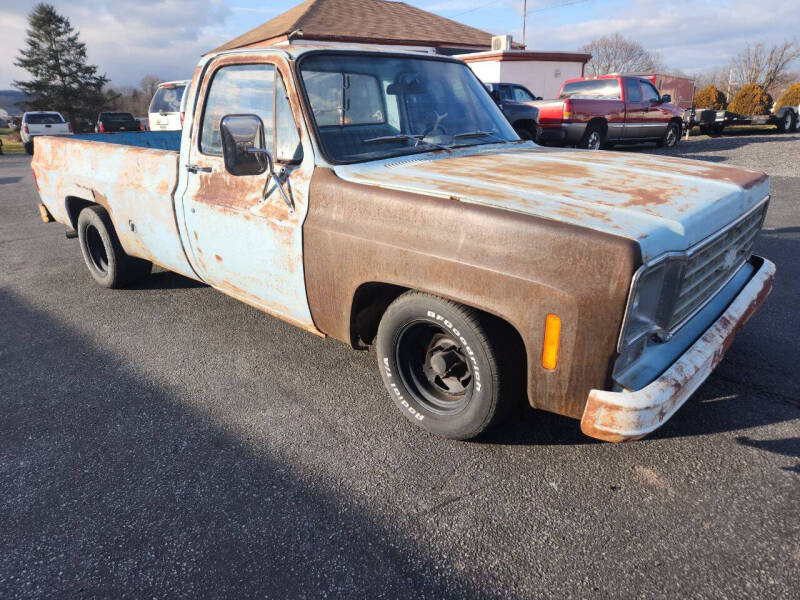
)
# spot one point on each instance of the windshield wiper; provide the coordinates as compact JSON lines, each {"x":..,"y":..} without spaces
{"x":401,"y":137}
{"x":476,"y":134}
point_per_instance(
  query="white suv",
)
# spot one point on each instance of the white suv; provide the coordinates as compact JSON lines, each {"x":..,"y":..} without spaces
{"x":42,"y":123}
{"x":168,"y":106}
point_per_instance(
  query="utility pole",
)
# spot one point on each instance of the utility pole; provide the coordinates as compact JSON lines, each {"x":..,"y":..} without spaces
{"x":524,"y":19}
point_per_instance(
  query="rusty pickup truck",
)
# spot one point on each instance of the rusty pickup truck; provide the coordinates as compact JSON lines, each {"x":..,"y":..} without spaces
{"x":381,"y":198}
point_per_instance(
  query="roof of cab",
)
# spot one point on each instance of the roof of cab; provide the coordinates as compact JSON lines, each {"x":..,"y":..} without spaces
{"x":296,"y":50}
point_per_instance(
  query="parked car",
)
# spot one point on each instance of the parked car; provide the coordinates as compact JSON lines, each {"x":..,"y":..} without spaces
{"x":168,"y":106}
{"x":382,"y":199}
{"x":522,"y":116}
{"x":110,"y":122}
{"x":512,"y":91}
{"x":610,"y":109}
{"x":39,"y":123}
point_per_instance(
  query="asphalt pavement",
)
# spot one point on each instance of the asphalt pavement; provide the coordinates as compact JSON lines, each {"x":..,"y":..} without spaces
{"x":169,"y":442}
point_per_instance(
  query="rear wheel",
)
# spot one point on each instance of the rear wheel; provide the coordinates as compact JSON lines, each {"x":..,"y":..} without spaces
{"x":106,"y":260}
{"x":593,"y":138}
{"x":443,"y":369}
{"x":786,"y":122}
{"x":671,"y":136}
{"x":29,"y":147}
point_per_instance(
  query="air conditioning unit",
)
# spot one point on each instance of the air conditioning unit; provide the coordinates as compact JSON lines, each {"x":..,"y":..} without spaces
{"x":501,"y":43}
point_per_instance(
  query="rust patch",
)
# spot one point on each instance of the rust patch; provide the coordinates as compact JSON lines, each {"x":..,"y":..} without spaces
{"x":470,"y":253}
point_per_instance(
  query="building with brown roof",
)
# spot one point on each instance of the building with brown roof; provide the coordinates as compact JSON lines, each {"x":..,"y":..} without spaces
{"x":376,"y":22}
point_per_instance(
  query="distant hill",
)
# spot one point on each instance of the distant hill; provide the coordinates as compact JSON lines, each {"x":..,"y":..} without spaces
{"x":8,"y":102}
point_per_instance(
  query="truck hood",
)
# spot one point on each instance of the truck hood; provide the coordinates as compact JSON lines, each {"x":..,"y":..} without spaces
{"x":665,"y":204}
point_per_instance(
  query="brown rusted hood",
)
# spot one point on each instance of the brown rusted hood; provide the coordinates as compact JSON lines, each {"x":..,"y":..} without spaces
{"x":664,"y":203}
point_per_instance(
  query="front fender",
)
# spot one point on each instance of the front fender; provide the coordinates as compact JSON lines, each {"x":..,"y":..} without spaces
{"x":517,"y":267}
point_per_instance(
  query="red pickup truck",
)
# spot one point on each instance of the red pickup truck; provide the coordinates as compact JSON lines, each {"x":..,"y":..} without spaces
{"x":599,"y":112}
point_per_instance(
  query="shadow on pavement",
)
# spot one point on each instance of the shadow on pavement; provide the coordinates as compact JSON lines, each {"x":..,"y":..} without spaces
{"x":113,"y":487}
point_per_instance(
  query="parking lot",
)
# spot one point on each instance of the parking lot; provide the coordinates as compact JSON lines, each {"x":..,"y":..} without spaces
{"x":167,"y":441}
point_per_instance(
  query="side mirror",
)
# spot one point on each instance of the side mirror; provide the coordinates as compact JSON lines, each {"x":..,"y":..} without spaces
{"x":496,"y":96}
{"x":243,"y":145}
{"x":666,"y":99}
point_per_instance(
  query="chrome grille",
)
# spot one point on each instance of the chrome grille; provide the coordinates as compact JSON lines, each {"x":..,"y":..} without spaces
{"x":711,"y":265}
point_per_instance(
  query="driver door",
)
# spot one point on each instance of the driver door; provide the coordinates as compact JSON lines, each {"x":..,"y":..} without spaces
{"x":245,"y":239}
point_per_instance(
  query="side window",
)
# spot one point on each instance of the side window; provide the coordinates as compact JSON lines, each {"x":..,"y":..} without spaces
{"x":522,"y":95}
{"x":238,"y":90}
{"x":649,"y":93}
{"x":287,"y":140}
{"x":344,"y":98}
{"x":505,"y":92}
{"x":632,"y":92}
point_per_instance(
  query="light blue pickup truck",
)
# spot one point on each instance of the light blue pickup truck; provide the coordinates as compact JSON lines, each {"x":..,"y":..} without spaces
{"x":381,"y":198}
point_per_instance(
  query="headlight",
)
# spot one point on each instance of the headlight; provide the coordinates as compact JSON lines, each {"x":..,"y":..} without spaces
{"x":653,"y":294}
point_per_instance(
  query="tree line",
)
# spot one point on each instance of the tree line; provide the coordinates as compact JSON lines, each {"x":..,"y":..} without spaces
{"x":770,"y":67}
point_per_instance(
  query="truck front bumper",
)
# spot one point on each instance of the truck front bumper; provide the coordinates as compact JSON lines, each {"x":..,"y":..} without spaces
{"x":628,"y":415}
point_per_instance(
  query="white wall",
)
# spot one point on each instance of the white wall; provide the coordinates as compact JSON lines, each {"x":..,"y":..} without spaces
{"x":543,"y":78}
{"x":487,"y":71}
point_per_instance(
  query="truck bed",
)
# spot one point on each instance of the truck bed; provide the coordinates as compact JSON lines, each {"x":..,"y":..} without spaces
{"x":133,"y":175}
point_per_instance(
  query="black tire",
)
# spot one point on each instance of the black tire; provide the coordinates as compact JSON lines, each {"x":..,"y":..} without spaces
{"x":106,"y":260}
{"x":442,"y":368}
{"x":671,"y":136}
{"x":593,"y":138}
{"x":786,"y":122}
{"x":29,"y":147}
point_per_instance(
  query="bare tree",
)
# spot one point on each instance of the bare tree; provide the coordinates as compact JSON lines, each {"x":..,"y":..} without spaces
{"x":615,"y":54}
{"x":767,"y":67}
{"x":149,"y":85}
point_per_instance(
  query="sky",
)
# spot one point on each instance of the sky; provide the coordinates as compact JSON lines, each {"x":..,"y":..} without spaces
{"x":128,"y":39}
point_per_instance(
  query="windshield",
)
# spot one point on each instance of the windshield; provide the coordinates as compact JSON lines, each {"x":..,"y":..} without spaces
{"x":369,"y":107}
{"x":167,"y":99}
{"x":116,"y":117}
{"x":605,"y":89}
{"x":43,"y":118}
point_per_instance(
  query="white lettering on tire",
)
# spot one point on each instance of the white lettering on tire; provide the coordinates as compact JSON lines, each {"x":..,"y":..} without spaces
{"x":404,"y":403}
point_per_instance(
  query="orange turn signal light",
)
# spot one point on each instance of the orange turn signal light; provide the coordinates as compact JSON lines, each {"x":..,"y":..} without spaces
{"x":552,"y":335}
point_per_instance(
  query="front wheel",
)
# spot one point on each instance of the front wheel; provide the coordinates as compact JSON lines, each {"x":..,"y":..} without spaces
{"x":443,"y":369}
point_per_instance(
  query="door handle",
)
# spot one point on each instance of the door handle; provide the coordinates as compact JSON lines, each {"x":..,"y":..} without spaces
{"x":197,"y":169}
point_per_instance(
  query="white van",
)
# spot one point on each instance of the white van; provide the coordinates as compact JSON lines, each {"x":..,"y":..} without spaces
{"x":42,"y":122}
{"x":168,"y":106}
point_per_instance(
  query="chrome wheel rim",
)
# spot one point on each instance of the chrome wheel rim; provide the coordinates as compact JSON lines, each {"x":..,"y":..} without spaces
{"x":594,"y":141}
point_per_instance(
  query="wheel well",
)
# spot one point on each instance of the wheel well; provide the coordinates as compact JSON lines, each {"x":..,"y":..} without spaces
{"x":74,"y":207}
{"x":677,"y":121}
{"x":372,"y":299}
{"x":369,"y":303}
{"x":527,"y":124}
{"x":599,"y":121}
